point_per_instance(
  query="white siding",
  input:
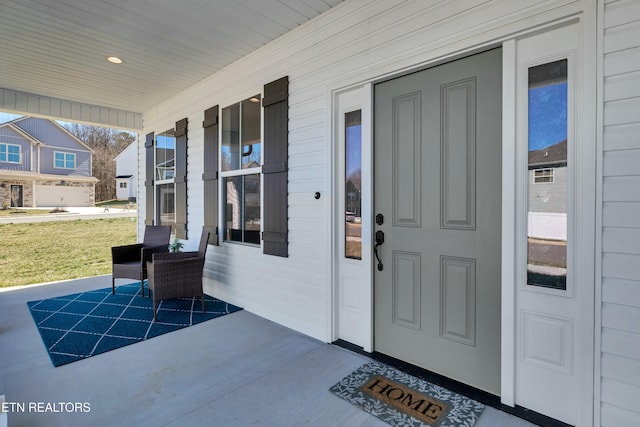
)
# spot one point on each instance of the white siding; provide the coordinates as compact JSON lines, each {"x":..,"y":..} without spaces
{"x":620,"y":344}
{"x":357,"y":41}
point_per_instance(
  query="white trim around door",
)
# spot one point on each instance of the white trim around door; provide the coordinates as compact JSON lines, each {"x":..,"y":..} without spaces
{"x":353,"y":309}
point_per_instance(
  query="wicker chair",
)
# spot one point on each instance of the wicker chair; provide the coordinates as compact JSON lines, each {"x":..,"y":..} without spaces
{"x":177,"y":275}
{"x":130,"y":261}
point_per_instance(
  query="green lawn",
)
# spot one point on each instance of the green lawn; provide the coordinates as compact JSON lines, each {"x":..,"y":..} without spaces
{"x":59,"y":250}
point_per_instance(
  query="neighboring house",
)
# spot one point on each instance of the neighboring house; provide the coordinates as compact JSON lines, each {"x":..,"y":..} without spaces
{"x":43,"y":165}
{"x":548,"y":201}
{"x":353,"y":203}
{"x":127,"y":173}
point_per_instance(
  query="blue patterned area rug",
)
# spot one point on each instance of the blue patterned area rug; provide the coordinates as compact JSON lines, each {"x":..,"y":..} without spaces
{"x":78,"y":326}
{"x":400,"y":399}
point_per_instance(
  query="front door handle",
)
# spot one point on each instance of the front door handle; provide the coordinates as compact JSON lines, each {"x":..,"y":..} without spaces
{"x":379,"y":241}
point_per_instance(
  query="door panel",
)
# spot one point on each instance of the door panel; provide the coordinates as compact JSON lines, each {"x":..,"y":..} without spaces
{"x":406,"y":158}
{"x":437,"y":148}
{"x":551,"y":291}
{"x":458,"y":184}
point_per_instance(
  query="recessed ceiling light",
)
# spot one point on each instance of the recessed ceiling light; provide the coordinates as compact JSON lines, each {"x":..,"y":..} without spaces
{"x":115,"y":60}
{"x":254,"y":99}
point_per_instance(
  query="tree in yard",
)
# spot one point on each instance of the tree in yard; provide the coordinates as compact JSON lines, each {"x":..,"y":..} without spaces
{"x":106,"y":143}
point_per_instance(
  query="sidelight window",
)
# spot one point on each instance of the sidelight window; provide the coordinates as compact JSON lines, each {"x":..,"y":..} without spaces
{"x":547,"y":166}
{"x":353,"y":184}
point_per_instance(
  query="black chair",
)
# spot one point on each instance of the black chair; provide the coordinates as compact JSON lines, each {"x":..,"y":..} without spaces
{"x":178,"y":275}
{"x":130,"y":261}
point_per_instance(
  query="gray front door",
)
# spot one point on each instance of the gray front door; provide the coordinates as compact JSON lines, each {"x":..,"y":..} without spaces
{"x":437,"y":142}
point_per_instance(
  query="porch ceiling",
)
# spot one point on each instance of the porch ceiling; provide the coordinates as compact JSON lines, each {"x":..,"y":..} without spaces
{"x":59,"y":49}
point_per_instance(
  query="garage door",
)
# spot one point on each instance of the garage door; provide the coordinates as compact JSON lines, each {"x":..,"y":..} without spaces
{"x":56,"y":196}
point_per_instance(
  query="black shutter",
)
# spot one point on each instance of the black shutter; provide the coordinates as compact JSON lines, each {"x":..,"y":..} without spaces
{"x":148,"y":183}
{"x":210,"y":175}
{"x":276,"y":154}
{"x":180,"y":178}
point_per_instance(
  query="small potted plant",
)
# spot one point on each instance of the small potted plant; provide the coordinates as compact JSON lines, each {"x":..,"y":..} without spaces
{"x":176,"y":246}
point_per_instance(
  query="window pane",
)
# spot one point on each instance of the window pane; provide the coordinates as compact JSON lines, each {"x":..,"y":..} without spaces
{"x":70,"y":161}
{"x":14,"y":153}
{"x":166,"y":204}
{"x":165,"y":155}
{"x":250,"y":134}
{"x":353,"y":185}
{"x":547,"y":198}
{"x":230,"y":148}
{"x":242,"y":215}
{"x":59,"y":160}
{"x":241,"y":142}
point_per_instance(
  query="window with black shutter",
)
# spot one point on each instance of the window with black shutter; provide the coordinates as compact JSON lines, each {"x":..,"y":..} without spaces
{"x":148,"y":183}
{"x":253,"y":163}
{"x":210,"y":174}
{"x":180,"y":179}
{"x":276,"y":155}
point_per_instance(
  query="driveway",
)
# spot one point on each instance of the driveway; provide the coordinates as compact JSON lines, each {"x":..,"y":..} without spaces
{"x":71,"y":214}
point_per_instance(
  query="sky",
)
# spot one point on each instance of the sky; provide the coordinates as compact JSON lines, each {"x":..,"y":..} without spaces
{"x":547,"y":115}
{"x":6,"y":117}
{"x":353,"y":149}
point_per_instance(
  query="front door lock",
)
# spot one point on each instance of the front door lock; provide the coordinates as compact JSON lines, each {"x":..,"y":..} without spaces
{"x":379,"y":241}
{"x":379,"y":219}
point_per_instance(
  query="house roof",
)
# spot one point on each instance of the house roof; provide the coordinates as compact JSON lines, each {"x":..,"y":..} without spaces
{"x":15,"y":124}
{"x":22,"y":132}
{"x":132,"y":146}
{"x":552,"y":156}
{"x":59,"y":50}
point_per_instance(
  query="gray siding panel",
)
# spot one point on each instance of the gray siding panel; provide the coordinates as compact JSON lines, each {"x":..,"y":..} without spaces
{"x":54,"y":139}
{"x":620,"y":358}
{"x":549,"y":197}
{"x":49,"y":133}
{"x":83,"y":162}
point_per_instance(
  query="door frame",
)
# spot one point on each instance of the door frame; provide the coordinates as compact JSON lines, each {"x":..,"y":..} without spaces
{"x":359,"y":308}
{"x":585,"y":223}
{"x":21,"y":192}
{"x":582,"y":227}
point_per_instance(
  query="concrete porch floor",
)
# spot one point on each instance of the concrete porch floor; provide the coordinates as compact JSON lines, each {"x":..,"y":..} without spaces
{"x":237,"y":370}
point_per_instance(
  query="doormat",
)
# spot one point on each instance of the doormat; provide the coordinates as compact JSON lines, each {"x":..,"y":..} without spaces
{"x":78,"y":326}
{"x":400,"y":399}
